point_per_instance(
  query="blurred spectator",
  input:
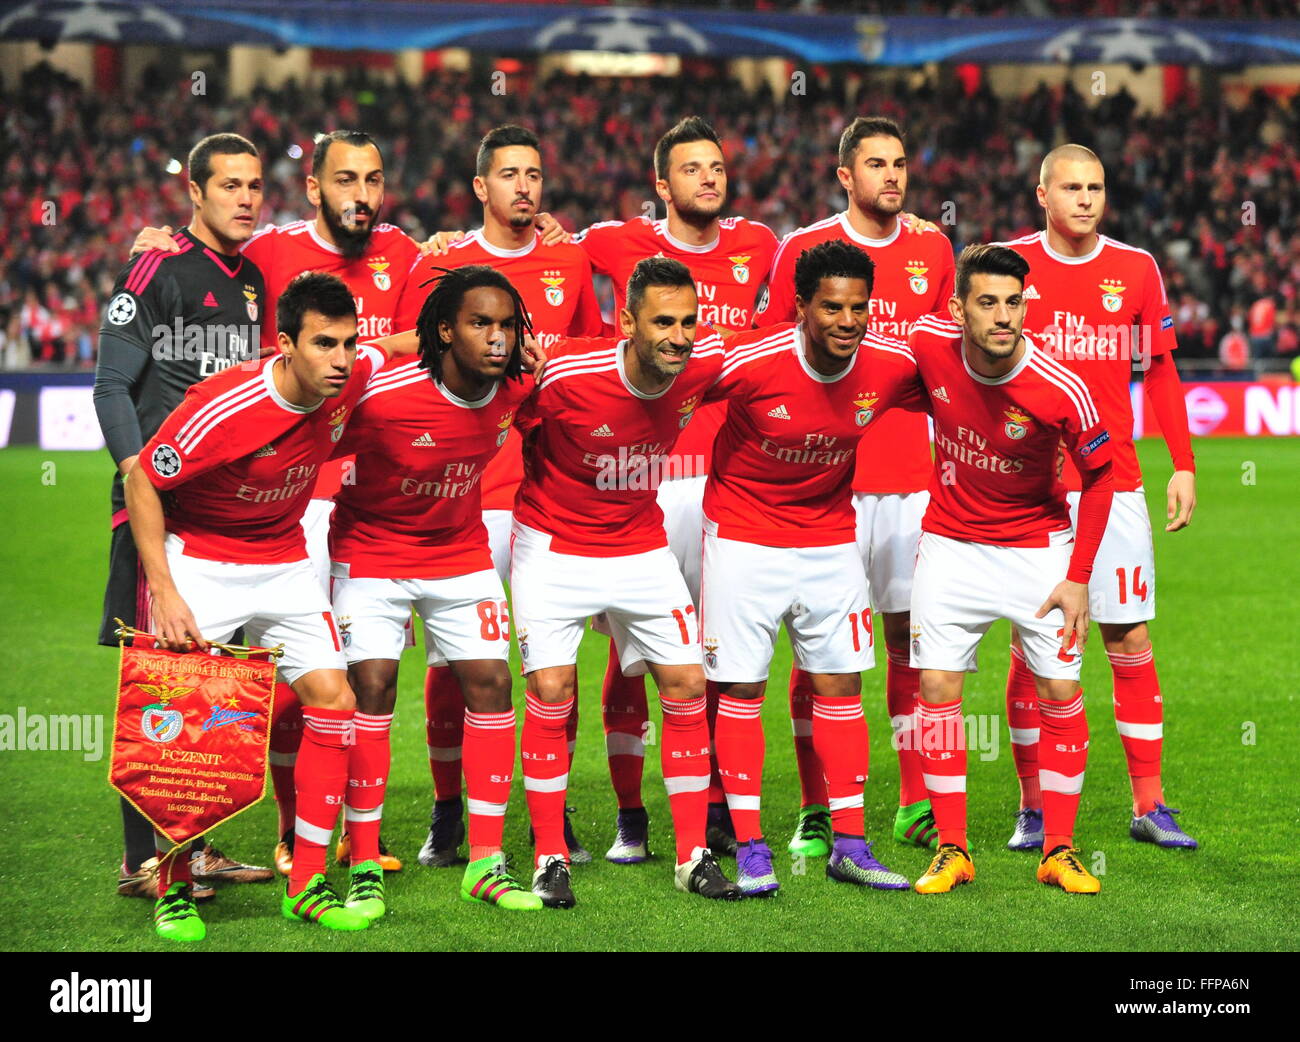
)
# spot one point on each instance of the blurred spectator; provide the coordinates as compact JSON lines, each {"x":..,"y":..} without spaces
{"x":84,"y":172}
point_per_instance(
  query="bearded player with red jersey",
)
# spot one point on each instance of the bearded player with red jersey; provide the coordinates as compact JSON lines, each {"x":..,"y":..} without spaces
{"x":1100,"y":307}
{"x":997,"y":543}
{"x":346,"y":186}
{"x":554,"y":281}
{"x":913,"y":277}
{"x":729,"y":259}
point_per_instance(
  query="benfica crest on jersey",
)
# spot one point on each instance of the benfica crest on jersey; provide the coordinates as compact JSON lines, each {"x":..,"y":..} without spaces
{"x":336,"y":422}
{"x":918,"y":282}
{"x":554,"y":284}
{"x":687,"y":409}
{"x":250,"y":302}
{"x":379,"y":272}
{"x":740,"y":269}
{"x":1110,"y":295}
{"x":1017,"y":425}
{"x":504,"y":424}
{"x":866,"y":404}
{"x":711,"y":654}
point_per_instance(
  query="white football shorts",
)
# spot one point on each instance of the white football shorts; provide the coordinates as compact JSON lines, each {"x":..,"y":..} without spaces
{"x":274,"y":603}
{"x":498,"y":523}
{"x":464,"y":616}
{"x":819,"y":592}
{"x":889,"y":530}
{"x":643,"y":597}
{"x":316,"y":528}
{"x":682,"y":501}
{"x":1123,"y":586}
{"x":961,"y":588}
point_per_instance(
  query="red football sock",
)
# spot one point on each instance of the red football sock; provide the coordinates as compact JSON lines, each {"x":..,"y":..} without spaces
{"x":624,"y":711}
{"x":684,"y":756}
{"x":1062,"y":757}
{"x":812,"y":780}
{"x":321,"y":777}
{"x":174,"y":869}
{"x":489,"y":769}
{"x":545,"y":754}
{"x":286,"y":736}
{"x":840,"y":738}
{"x":941,"y":741}
{"x":711,"y":695}
{"x":738,"y":737}
{"x":1022,"y":722}
{"x":444,"y":714}
{"x":368,"y":763}
{"x":1139,"y":715}
{"x":571,"y":730}
{"x":902,"y":685}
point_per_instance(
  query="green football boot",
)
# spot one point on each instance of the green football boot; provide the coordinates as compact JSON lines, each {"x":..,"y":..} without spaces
{"x":914,"y":824}
{"x":812,"y":836}
{"x":317,"y":903}
{"x":366,"y":890}
{"x":488,"y":881}
{"x":175,"y":918}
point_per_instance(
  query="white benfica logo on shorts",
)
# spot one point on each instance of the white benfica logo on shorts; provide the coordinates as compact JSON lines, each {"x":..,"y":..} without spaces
{"x":602,"y":431}
{"x":424,"y":441}
{"x":166,"y":461}
{"x":121,"y":309}
{"x":779,"y":413}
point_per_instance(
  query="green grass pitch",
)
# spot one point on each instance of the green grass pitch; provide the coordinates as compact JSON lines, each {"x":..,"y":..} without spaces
{"x":1225,"y":642}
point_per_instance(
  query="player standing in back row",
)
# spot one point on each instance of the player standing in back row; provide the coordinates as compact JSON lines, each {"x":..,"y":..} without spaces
{"x":913,"y":277}
{"x":1100,"y":307}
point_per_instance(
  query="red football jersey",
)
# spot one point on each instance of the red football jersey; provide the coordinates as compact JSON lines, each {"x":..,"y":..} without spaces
{"x":913,"y":277}
{"x":555,"y":285}
{"x":727,"y":273}
{"x":995,"y":440}
{"x":595,"y":447}
{"x":1098,"y":316}
{"x":285,"y":251}
{"x":239,"y":461}
{"x":782,"y":473}
{"x":414,"y":511}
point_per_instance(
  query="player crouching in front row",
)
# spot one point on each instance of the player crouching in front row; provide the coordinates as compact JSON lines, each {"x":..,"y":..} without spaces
{"x":238,"y":458}
{"x":409,"y":533}
{"x":996,"y":543}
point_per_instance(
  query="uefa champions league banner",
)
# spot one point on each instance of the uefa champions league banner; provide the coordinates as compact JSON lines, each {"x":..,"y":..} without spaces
{"x":508,"y":28}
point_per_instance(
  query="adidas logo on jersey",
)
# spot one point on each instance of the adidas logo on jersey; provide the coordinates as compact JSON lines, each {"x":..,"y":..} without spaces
{"x":602,"y":431}
{"x":424,"y":441}
{"x":942,"y":394}
{"x":265,"y":450}
{"x":1030,"y":293}
{"x":209,"y":301}
{"x":779,"y":413}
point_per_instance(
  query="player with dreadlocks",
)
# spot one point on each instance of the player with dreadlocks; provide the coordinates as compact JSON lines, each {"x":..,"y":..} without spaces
{"x":409,"y":533}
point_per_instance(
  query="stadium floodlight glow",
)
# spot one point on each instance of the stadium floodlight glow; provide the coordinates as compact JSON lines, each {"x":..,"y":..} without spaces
{"x":295,"y":151}
{"x":174,"y":166}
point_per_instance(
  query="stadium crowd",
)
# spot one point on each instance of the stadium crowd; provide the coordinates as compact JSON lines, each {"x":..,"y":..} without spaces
{"x":1208,"y":188}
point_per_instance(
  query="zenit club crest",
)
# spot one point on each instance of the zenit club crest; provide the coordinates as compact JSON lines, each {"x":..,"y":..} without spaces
{"x":336,"y":422}
{"x":503,"y":425}
{"x":554,"y":283}
{"x":250,"y":302}
{"x":866,"y":404}
{"x":1017,"y":425}
{"x":379,"y":273}
{"x":711,"y":654}
{"x":687,"y":409}
{"x":740,"y":269}
{"x":918,"y":282}
{"x":1111,"y":298}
